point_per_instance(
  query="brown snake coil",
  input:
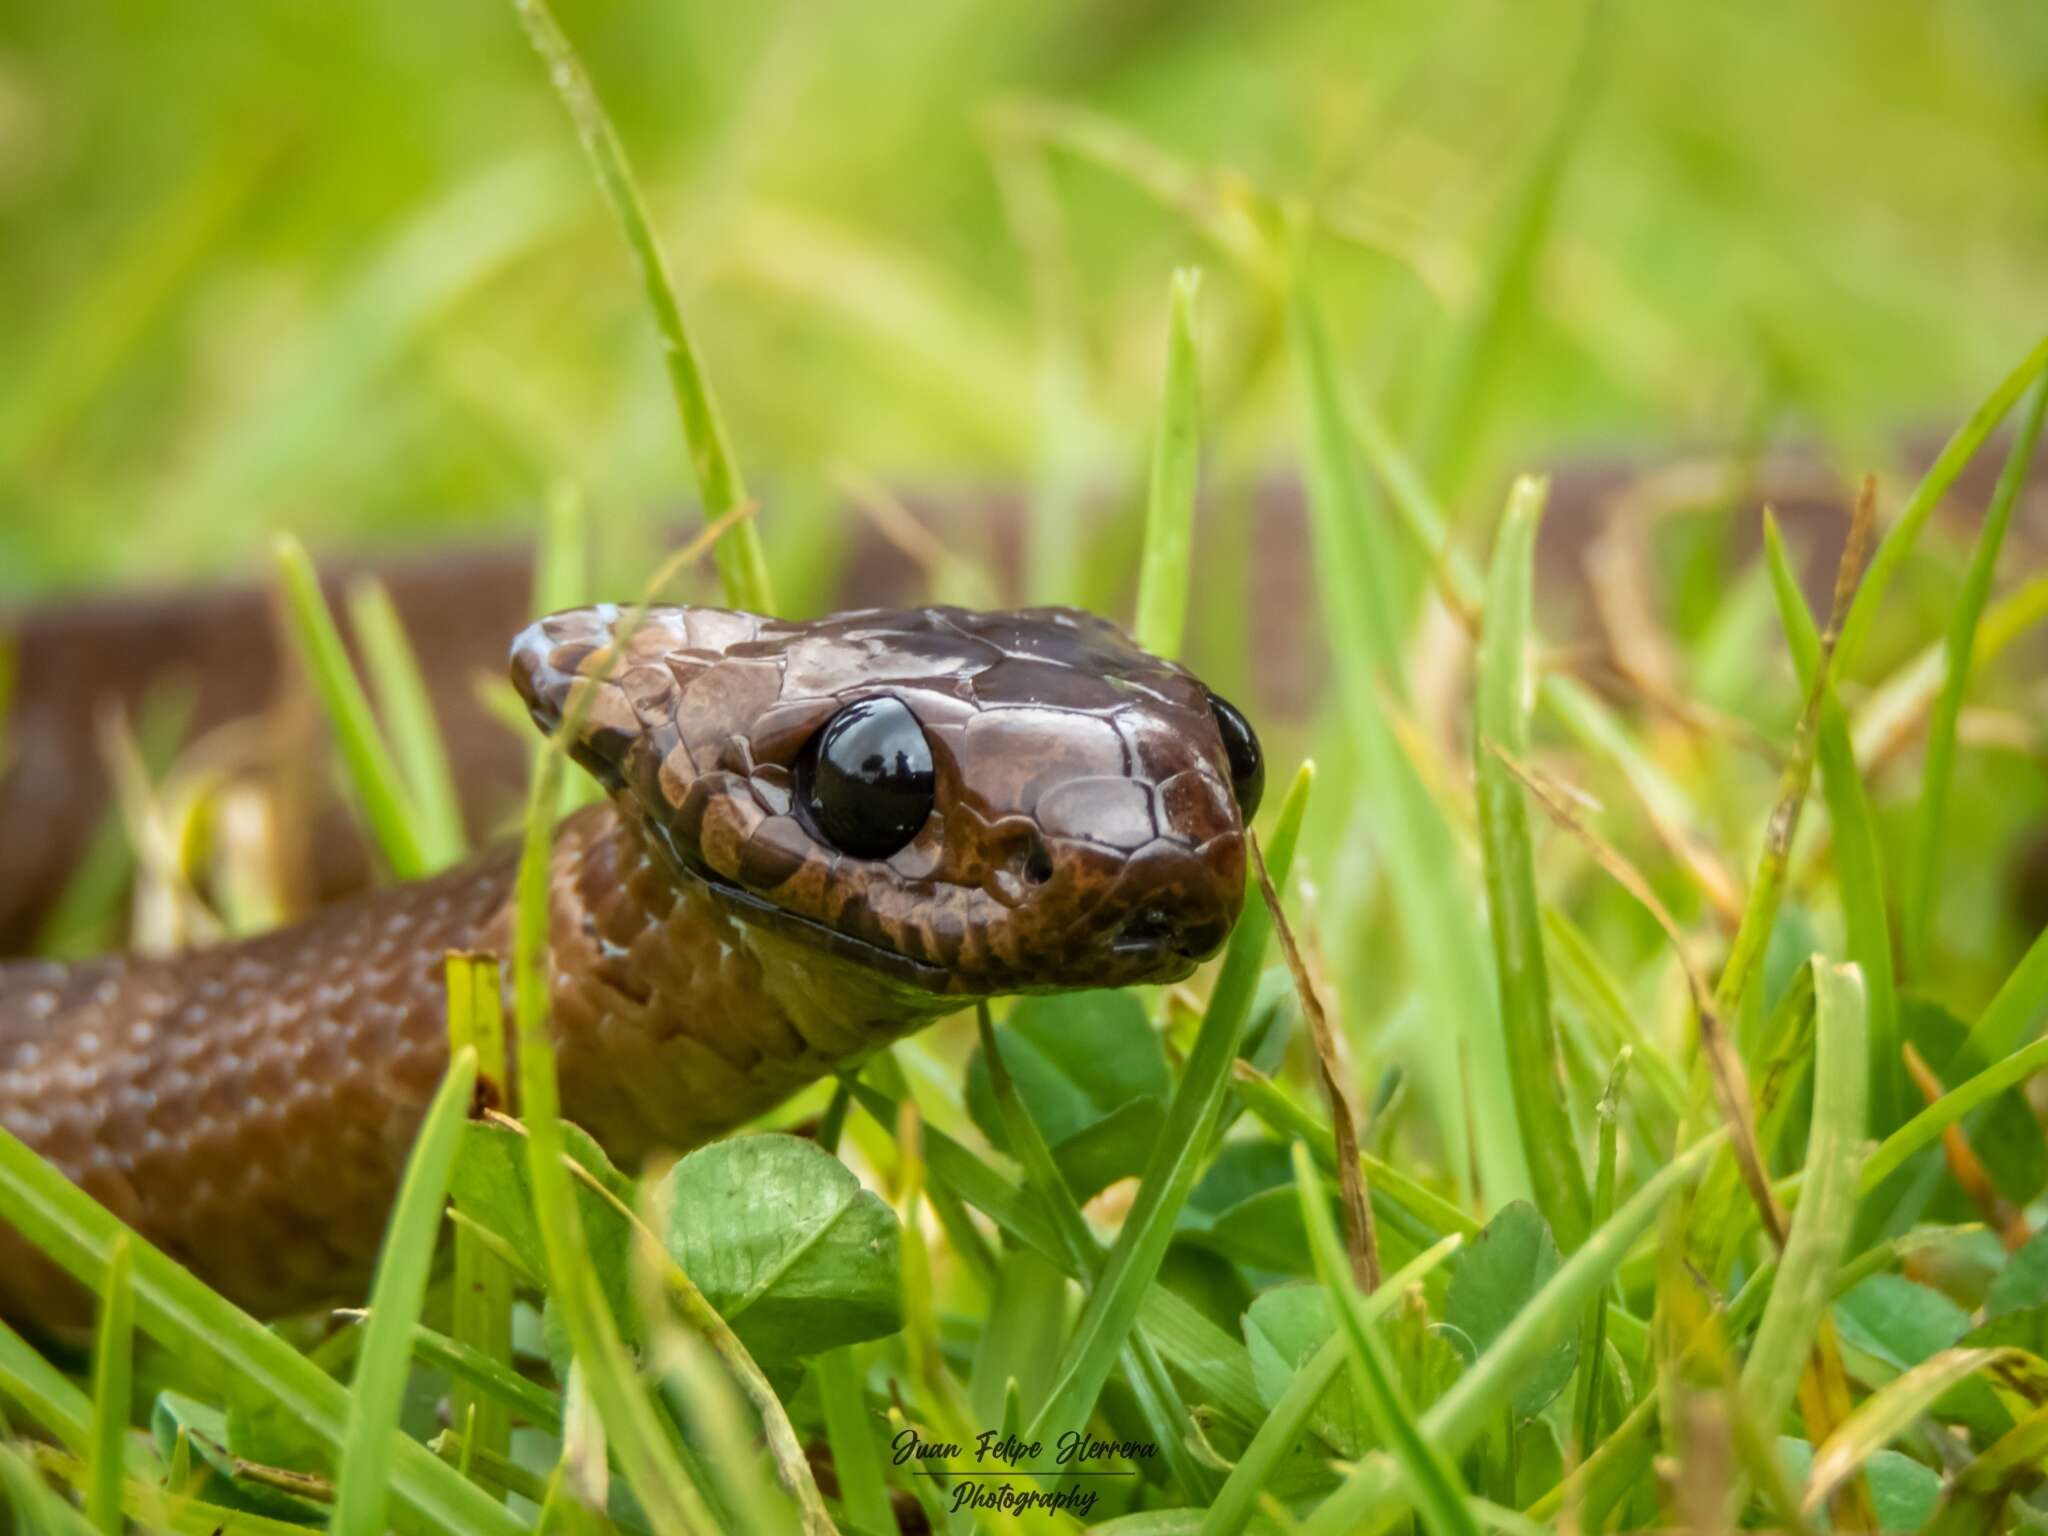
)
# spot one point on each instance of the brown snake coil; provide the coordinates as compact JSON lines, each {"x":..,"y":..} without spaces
{"x":249,"y":1107}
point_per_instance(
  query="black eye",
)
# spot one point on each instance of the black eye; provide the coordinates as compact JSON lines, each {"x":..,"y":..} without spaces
{"x":866,"y":778}
{"x":1247,"y":762}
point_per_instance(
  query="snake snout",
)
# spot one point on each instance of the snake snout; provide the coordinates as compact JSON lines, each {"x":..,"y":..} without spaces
{"x":1176,"y":911}
{"x":549,"y":658}
{"x":1162,"y":930}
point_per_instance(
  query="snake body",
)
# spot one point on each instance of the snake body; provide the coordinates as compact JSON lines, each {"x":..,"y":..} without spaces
{"x":248,"y":1107}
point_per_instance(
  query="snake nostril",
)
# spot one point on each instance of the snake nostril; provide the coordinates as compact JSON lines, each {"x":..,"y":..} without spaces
{"x":1037,"y":864}
{"x":1150,"y":925}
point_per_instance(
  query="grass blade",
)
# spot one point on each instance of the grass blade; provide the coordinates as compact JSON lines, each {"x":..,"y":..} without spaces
{"x":1373,"y":1496}
{"x":1358,"y":580}
{"x":1216,"y":1363}
{"x":1976,"y":1497}
{"x":658,"y":1479}
{"x":1593,"y":1336}
{"x":2015,"y":1009}
{"x":32,"y":1500}
{"x":1821,"y":1223}
{"x":402,"y":699}
{"x":1170,"y":508}
{"x":1528,"y":1031}
{"x":1859,"y":866}
{"x":191,"y":1322}
{"x":495,"y":1380}
{"x":1925,"y":1128}
{"x":1895,"y":1406}
{"x":372,"y":771}
{"x":742,"y":566}
{"x":113,"y":1372}
{"x":363,"y":1481}
{"x":1459,"y":399}
{"x":1179,"y":1154}
{"x":1955,"y":455}
{"x":1288,"y":1421}
{"x":49,"y":1397}
{"x":1924,"y":869}
{"x":855,"y":1456}
{"x":1439,"y":1492}
{"x":1392,"y":1190}
{"x":482,"y":1307}
{"x":1143,"y":1369}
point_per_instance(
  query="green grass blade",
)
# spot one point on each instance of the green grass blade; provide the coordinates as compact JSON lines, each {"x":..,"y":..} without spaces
{"x":1976,"y":1496}
{"x":362,"y":1483}
{"x":193,"y":1323}
{"x":1176,"y":461}
{"x":1179,"y":1154}
{"x":1925,"y":1128}
{"x":113,"y":1372}
{"x":1899,"y":539}
{"x":1374,"y":1495}
{"x":1283,"y":1428}
{"x":1143,"y":1369}
{"x":1859,"y":865}
{"x":856,"y":1457}
{"x":1391,"y":1188}
{"x":1894,"y":1407}
{"x":1458,"y":402}
{"x":372,"y":771}
{"x":1827,"y":1207}
{"x":742,"y":566}
{"x":32,"y":1500}
{"x":1215,"y":1362}
{"x":658,"y":1478}
{"x":404,"y":705}
{"x":1357,"y":581}
{"x":1924,"y":868}
{"x":49,"y":1397}
{"x":561,"y":569}
{"x":1593,"y":1336}
{"x":1440,"y":1494}
{"x":494,"y":1380}
{"x":2014,"y":1011}
{"x":482,"y":1305}
{"x":1528,"y":1031}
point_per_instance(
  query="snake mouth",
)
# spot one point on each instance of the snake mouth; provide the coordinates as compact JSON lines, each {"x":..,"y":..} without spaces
{"x":759,"y":912}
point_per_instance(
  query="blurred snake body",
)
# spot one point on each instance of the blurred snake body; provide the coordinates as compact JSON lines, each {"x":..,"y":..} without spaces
{"x":248,"y":1107}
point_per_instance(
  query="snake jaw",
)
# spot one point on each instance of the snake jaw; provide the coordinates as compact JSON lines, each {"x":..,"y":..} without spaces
{"x":1084,"y":830}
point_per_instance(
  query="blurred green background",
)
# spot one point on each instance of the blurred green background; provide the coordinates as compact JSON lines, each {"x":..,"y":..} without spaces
{"x":341,"y":268}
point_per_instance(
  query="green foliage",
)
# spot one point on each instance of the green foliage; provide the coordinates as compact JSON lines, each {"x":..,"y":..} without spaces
{"x":1500,"y":1272}
{"x":784,"y":1242}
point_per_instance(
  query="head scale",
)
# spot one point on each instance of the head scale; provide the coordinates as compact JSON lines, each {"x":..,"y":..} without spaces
{"x":1082,"y":828}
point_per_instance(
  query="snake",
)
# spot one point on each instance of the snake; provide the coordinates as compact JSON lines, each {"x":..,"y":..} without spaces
{"x":815,"y":838}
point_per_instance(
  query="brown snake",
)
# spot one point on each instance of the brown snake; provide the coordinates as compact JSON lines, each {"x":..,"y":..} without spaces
{"x":818,"y":837}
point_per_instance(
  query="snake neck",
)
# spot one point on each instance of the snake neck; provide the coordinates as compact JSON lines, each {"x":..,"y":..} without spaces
{"x":675,"y":1020}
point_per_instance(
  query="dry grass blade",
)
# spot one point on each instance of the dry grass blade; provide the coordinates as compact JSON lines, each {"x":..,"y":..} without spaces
{"x":1360,"y":1240}
{"x":2007,"y":1220}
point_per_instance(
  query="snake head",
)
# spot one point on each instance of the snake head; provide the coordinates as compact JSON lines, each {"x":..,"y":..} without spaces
{"x":971,"y":803}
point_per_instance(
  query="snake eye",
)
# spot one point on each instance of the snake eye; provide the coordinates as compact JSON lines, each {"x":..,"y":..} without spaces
{"x":865,"y":780}
{"x":1241,"y":746}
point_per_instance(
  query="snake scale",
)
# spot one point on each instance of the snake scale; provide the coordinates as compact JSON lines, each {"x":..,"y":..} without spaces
{"x":817,"y":837}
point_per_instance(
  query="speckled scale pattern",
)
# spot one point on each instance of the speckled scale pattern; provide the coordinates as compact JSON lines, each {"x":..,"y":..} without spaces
{"x":249,"y":1107}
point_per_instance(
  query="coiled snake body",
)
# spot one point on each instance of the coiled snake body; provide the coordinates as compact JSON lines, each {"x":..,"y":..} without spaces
{"x":818,"y":836}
